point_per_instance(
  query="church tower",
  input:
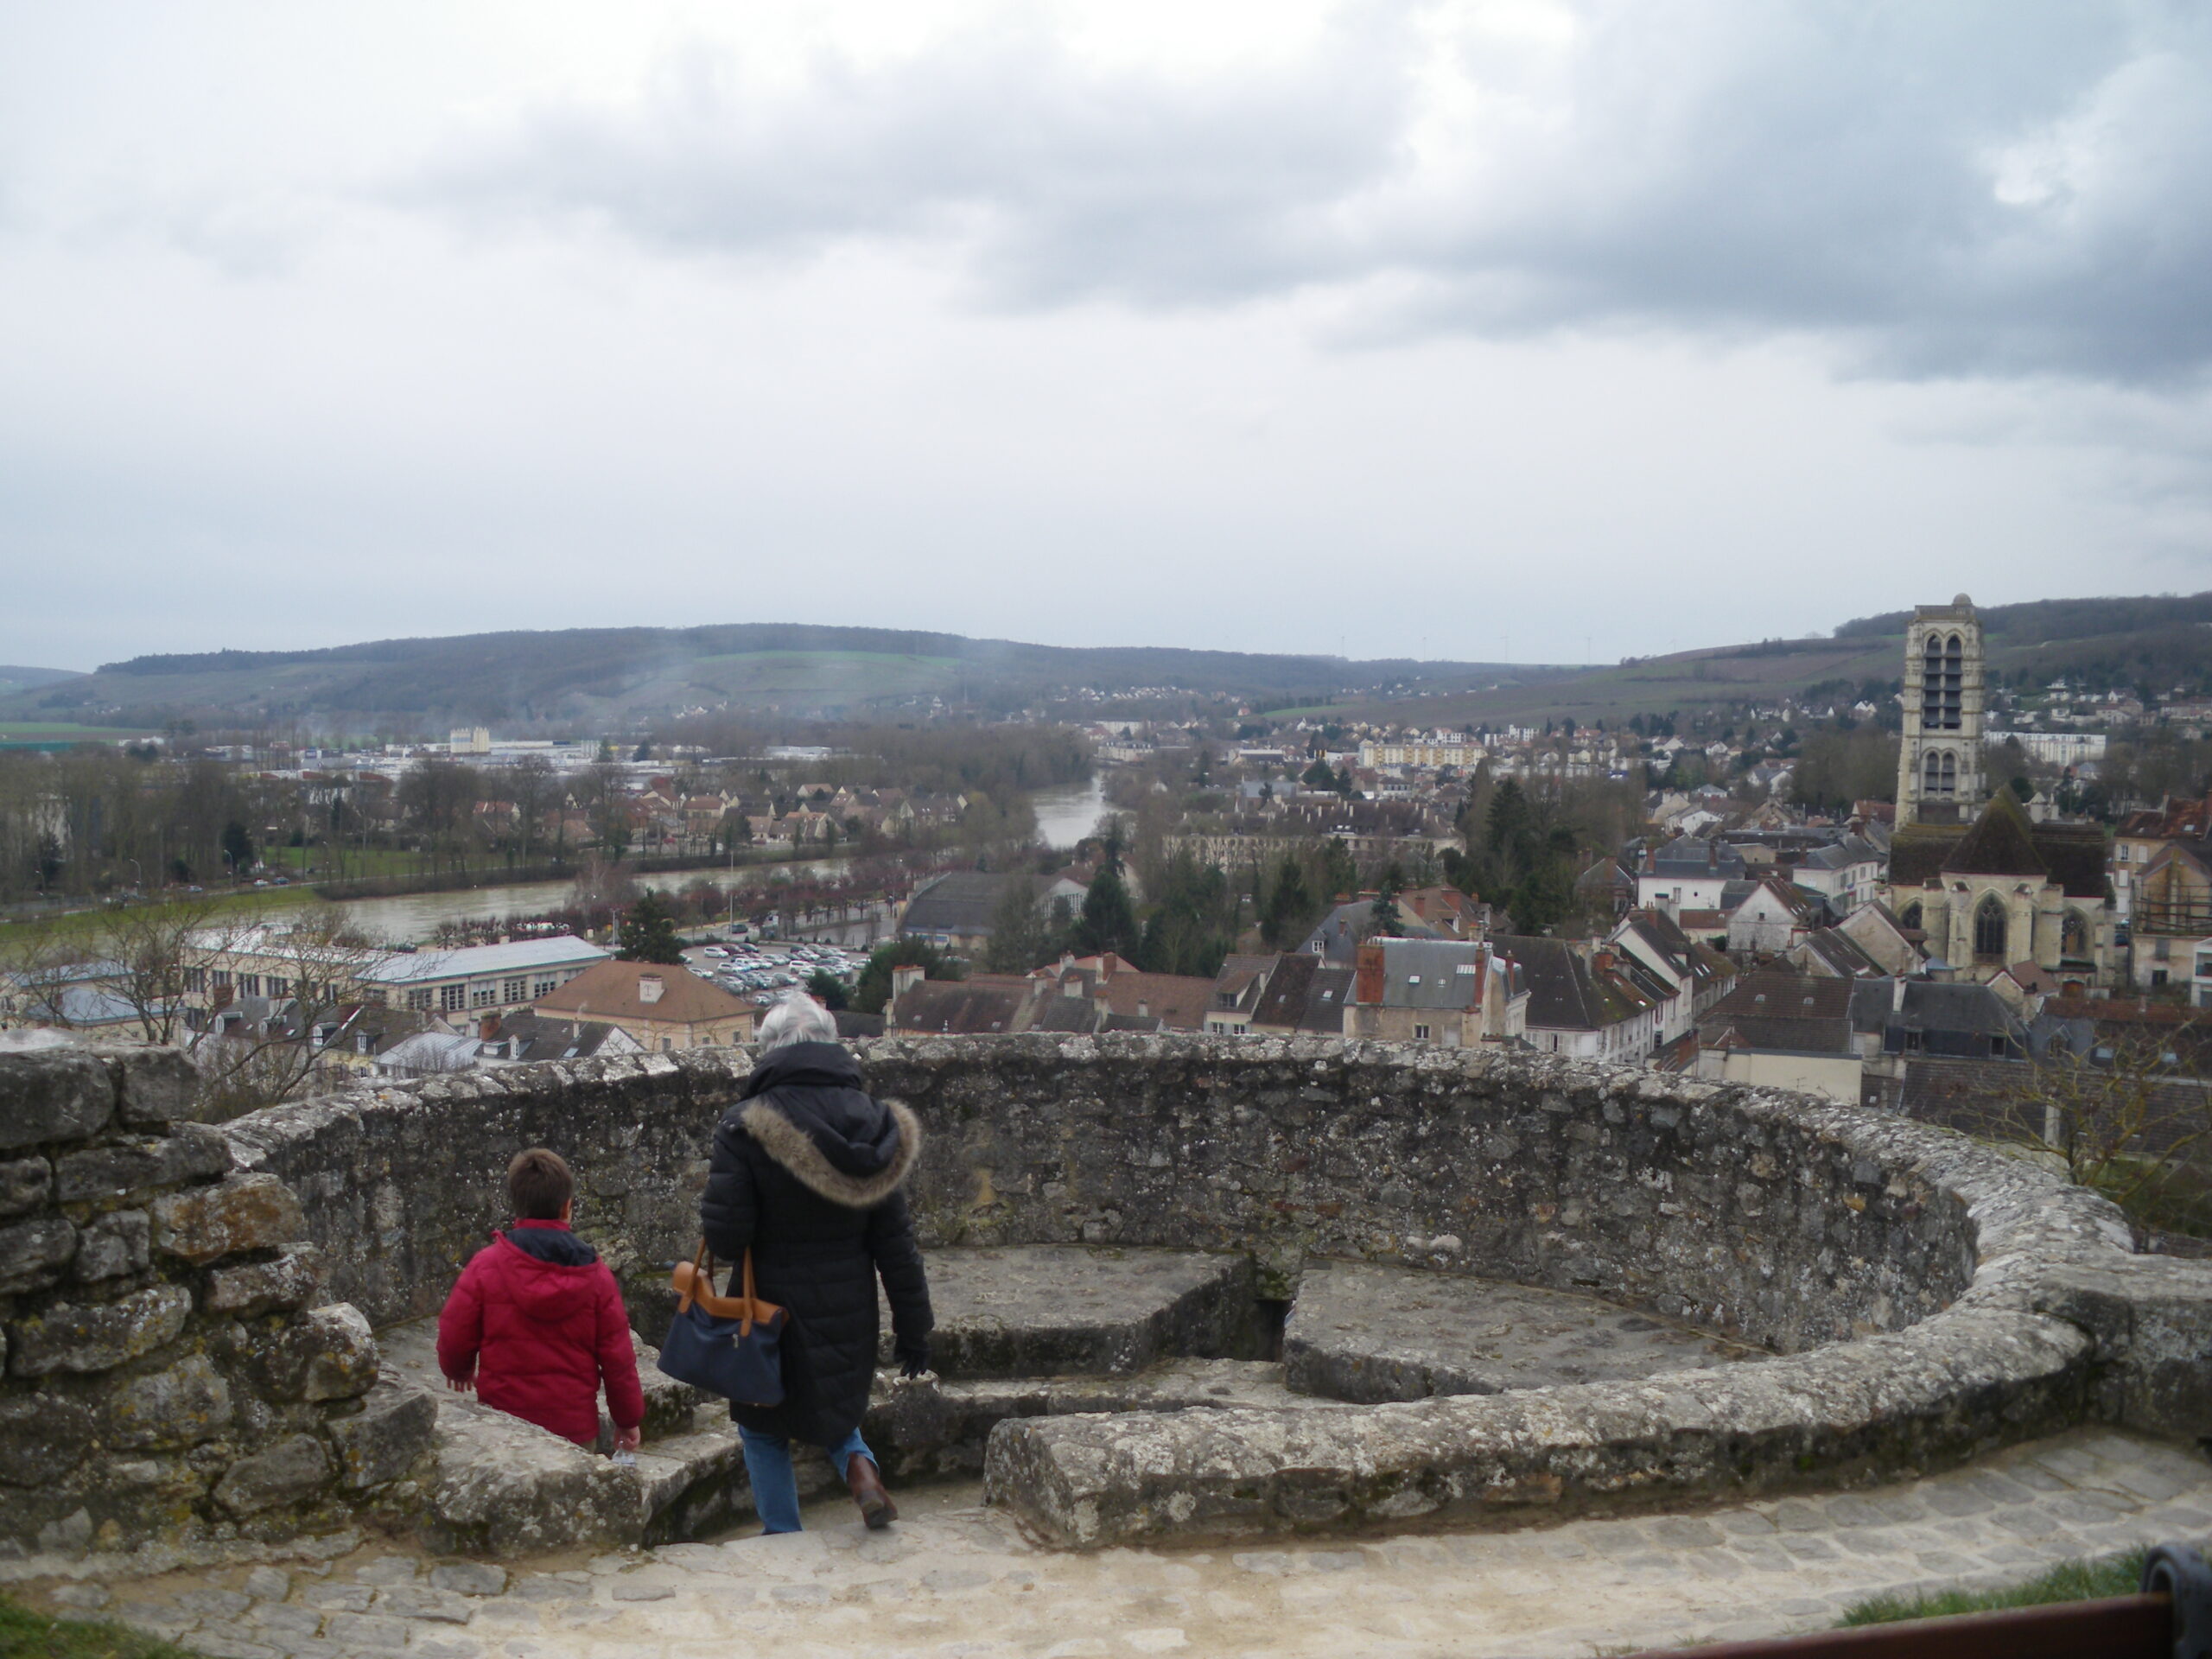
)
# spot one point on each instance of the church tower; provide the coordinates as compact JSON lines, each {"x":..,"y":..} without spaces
{"x":1939,"y":764}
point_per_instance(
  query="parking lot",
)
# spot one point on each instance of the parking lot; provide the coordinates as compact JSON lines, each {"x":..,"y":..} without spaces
{"x":762,"y":971}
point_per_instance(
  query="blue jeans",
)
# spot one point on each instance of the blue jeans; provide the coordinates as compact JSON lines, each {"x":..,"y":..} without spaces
{"x":775,"y":1485}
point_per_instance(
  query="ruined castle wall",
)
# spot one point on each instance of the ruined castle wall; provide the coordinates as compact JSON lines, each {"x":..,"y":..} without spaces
{"x":165,"y":1376}
{"x":1793,"y":1222}
{"x":402,"y":1184}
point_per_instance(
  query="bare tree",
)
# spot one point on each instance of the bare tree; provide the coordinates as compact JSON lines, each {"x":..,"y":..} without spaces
{"x":2126,"y":1118}
{"x":312,"y":968}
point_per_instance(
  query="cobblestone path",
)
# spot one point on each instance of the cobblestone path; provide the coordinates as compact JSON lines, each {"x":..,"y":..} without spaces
{"x":953,"y":1577}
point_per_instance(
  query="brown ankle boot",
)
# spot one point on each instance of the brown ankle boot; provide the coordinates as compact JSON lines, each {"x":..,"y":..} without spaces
{"x":876,"y":1508}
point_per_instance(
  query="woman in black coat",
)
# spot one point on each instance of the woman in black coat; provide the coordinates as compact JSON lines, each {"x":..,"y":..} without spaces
{"x":806,"y":1174}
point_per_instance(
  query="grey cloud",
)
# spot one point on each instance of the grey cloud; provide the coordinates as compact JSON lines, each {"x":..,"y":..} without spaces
{"x":1962,"y":189}
{"x":1066,"y":181}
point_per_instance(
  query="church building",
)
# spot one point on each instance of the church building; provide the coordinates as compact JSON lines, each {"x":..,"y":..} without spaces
{"x":1989,"y":889}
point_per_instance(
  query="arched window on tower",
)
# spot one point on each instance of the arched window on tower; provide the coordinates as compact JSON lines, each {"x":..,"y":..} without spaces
{"x":1931,"y":684}
{"x":1953,"y":681}
{"x":1989,"y":930}
{"x":1931,"y":774}
{"x":1950,"y":785}
{"x":1910,"y":918}
{"x":2074,"y":936}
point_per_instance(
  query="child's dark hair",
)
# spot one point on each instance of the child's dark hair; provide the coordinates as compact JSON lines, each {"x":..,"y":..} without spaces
{"x":538,"y":1184}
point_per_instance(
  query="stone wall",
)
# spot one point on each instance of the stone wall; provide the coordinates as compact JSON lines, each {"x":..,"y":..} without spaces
{"x":1915,"y":1284}
{"x":166,"y":1378}
{"x":1715,"y":1205}
{"x":402,"y":1184}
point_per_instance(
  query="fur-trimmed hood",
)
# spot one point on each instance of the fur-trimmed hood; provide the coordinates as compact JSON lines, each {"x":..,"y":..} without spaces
{"x":805,"y":1109}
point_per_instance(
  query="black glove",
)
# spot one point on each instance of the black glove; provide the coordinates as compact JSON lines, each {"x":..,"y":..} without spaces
{"x":913,"y":1357}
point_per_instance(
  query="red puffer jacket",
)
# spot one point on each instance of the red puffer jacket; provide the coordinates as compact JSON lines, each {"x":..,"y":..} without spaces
{"x":538,"y":1320}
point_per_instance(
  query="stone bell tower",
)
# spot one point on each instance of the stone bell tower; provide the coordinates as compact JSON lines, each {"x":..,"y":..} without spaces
{"x":1939,"y":764}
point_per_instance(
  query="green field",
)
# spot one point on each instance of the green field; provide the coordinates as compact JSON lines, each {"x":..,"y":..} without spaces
{"x":79,"y":923}
{"x":48,"y":731}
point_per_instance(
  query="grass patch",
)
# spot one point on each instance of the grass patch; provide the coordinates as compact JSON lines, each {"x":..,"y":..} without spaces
{"x":2091,"y":1580}
{"x":26,"y":1635}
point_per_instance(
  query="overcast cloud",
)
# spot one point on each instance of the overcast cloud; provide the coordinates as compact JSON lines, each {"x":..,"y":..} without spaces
{"x":1547,"y":330}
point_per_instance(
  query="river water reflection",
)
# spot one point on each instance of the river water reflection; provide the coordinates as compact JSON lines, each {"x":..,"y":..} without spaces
{"x":1064,"y":816}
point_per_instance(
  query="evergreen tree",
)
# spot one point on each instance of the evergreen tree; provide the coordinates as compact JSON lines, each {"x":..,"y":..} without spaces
{"x":1019,"y":941}
{"x":827,"y":989}
{"x":874,"y":988}
{"x":649,"y":931}
{"x":1108,"y":921}
{"x":1290,"y":907}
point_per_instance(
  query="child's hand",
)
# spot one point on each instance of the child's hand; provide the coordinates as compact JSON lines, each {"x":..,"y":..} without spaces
{"x":626,"y":1440}
{"x":463,"y":1384}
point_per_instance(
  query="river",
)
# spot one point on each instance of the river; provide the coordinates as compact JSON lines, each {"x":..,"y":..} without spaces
{"x":1065,"y":815}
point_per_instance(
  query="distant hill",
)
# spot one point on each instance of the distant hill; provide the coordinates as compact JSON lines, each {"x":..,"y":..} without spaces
{"x":591,"y":678}
{"x":13,"y":678}
{"x":2160,"y":642}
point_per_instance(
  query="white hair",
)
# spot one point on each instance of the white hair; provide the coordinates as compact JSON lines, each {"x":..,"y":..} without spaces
{"x":798,"y":1018}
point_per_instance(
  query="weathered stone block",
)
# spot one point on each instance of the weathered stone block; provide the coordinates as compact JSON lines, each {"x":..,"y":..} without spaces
{"x":42,"y":1438}
{"x":181,"y":1406}
{"x":1038,"y":1311}
{"x":329,"y":1354}
{"x":24,"y":1183}
{"x":33,"y":1253}
{"x":2151,"y":1317}
{"x":135,"y":1168}
{"x":96,"y":1338}
{"x":252,"y":1287}
{"x":116,"y":1243}
{"x":396,"y":1425}
{"x":52,"y":1094}
{"x":155,"y":1085}
{"x":505,"y":1487}
{"x":287,"y":1472}
{"x":246,"y":1212}
{"x":1371,"y":1334}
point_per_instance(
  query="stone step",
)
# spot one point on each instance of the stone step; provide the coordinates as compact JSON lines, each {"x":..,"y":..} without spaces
{"x":1047,"y":1309}
{"x":1374,"y":1334}
{"x":930,"y":1427}
{"x":505,"y":1487}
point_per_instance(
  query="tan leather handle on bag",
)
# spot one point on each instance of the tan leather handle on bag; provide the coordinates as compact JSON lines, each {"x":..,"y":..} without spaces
{"x":693,"y":1282}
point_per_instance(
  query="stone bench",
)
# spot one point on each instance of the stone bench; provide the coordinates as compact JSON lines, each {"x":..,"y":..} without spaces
{"x":1370,"y":1334}
{"x":1073,"y":1310}
{"x":505,"y":1487}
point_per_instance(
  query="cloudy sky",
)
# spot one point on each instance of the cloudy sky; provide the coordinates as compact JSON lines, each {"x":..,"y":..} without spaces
{"x":1540,"y":330}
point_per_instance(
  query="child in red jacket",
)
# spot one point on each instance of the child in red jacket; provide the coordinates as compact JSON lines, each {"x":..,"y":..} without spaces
{"x":537,"y":1324}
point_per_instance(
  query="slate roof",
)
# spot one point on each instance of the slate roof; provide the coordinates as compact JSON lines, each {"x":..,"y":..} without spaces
{"x":1841,"y":954}
{"x":1325,"y":998}
{"x":2002,"y":842}
{"x":1560,"y":993}
{"x":1792,"y":1014}
{"x":1441,"y":974}
{"x":1689,"y":857}
{"x":1282,"y":1005}
{"x":965,"y":902}
{"x":982,"y":1006}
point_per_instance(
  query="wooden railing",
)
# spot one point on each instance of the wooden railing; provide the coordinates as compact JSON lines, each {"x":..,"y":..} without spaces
{"x":2170,"y":1619}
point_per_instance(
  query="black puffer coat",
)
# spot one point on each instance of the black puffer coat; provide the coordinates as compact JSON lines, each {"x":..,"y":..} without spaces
{"x":807,"y":1173}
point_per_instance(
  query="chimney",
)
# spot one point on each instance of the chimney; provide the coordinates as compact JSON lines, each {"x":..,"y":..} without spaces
{"x":905,"y":977}
{"x":1602,"y":960}
{"x":649,"y":987}
{"x":487,"y":1028}
{"x":1368,"y":986}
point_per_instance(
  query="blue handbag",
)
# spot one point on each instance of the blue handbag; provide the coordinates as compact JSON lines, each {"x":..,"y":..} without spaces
{"x":730,"y":1346}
